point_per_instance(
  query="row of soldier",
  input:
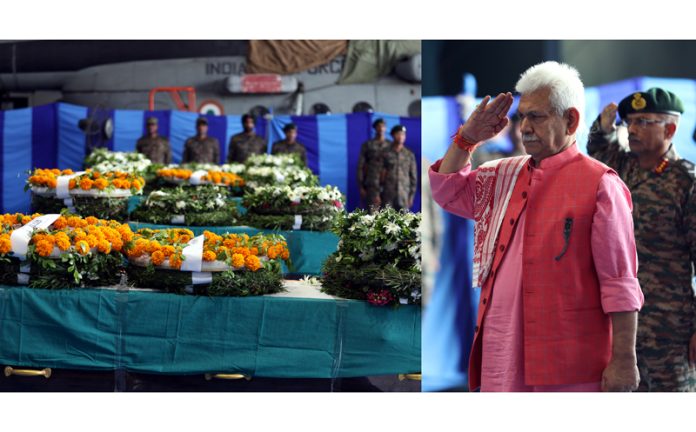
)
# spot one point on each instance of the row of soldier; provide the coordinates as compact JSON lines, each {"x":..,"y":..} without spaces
{"x":386,"y":174}
{"x":203,"y":148}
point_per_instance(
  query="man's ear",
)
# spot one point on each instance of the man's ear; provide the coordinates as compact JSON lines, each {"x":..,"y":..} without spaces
{"x":670,"y":130}
{"x":573,"y":120}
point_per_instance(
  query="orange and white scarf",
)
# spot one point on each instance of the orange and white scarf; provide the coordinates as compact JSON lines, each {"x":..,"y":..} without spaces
{"x":495,"y":181}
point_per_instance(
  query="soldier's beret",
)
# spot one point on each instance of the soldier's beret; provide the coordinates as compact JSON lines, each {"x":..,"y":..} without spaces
{"x":654,"y":100}
{"x":376,"y":122}
{"x":398,"y":128}
{"x":152,"y":120}
{"x":201,"y":121}
{"x":290,"y":126}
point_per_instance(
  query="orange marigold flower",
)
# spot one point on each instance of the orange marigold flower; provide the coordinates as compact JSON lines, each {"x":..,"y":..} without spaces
{"x":285,"y":255}
{"x":104,"y":247}
{"x":96,"y":174}
{"x":44,"y":248}
{"x":101,"y":184}
{"x":153,"y":246}
{"x":67,"y":172}
{"x":117,"y":244}
{"x":82,"y":247}
{"x":237,"y":260}
{"x":209,"y":256}
{"x":253,"y":263}
{"x":60,"y":223}
{"x":185,"y":238}
{"x":168,"y":250}
{"x":272,"y":252}
{"x":91,"y":220}
{"x":72,"y":184}
{"x":91,"y":240}
{"x":254,"y":251}
{"x":157,"y":257}
{"x":52,"y":182}
{"x":175,"y":261}
{"x":5,"y":244}
{"x":136,"y":185}
{"x":86,"y":184}
{"x":63,"y":243}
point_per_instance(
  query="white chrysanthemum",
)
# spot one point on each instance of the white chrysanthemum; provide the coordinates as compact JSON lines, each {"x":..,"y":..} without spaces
{"x":392,"y":228}
{"x":181,"y":204}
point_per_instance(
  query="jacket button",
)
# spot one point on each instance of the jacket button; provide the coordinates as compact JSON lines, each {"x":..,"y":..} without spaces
{"x":484,"y":300}
{"x":524,"y":194}
{"x":502,"y":248}
{"x":512,"y":221}
{"x":476,"y":329}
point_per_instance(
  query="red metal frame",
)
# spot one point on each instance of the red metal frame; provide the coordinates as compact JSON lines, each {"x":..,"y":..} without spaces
{"x":174,"y":94}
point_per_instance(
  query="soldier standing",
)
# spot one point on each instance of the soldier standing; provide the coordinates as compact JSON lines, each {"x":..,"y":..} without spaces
{"x":202,"y":148}
{"x":664,"y":217}
{"x":399,"y":177}
{"x":370,"y":164}
{"x":246,"y":143}
{"x":290,"y":143}
{"x":154,"y":147}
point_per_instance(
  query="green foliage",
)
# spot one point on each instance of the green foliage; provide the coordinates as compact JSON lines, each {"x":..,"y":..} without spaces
{"x":275,"y":207}
{"x":286,"y":222}
{"x":204,"y":205}
{"x":46,"y":205}
{"x":228,"y":283}
{"x":101,"y":207}
{"x":73,"y":270}
{"x":376,"y":252}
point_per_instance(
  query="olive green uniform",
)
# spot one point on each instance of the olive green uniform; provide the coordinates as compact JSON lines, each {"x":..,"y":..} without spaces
{"x":283,"y":146}
{"x":664,"y":218}
{"x":370,"y":167}
{"x":243,"y":145}
{"x":201,"y":150}
{"x":399,"y":177}
{"x":156,"y":149}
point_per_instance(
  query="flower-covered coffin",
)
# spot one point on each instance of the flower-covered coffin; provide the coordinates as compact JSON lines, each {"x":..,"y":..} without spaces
{"x":378,"y":258}
{"x":232,"y":264}
{"x":54,"y":251}
{"x":88,"y":193}
{"x":296,"y":208}
{"x":205,"y":205}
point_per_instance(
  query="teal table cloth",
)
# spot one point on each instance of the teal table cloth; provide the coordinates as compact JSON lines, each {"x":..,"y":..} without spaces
{"x":308,"y":249}
{"x":160,"y":333}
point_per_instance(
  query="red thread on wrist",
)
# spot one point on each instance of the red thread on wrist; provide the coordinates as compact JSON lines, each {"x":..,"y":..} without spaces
{"x":462,"y":142}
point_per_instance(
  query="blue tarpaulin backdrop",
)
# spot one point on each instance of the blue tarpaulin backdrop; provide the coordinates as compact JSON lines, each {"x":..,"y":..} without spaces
{"x":449,"y":320}
{"x":48,"y":137}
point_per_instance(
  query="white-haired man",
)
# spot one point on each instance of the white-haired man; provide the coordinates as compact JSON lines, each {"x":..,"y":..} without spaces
{"x":554,"y":252}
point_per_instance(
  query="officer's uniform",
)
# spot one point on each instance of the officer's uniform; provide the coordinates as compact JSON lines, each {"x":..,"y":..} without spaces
{"x":370,"y":167}
{"x":283,"y":146}
{"x":243,"y":145}
{"x":156,"y":149}
{"x":399,"y":178}
{"x":664,"y":217}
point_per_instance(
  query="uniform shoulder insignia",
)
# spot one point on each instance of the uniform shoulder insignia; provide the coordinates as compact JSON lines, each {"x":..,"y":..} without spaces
{"x":687,"y":166}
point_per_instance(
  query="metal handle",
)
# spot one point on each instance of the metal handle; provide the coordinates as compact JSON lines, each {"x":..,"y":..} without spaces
{"x":9,"y":370}
{"x":208,"y":377}
{"x":411,"y":377}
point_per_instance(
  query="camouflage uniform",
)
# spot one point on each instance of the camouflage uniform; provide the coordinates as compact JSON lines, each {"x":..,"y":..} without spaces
{"x":283,"y":146}
{"x":242,"y":146}
{"x":206,"y":150}
{"x":664,"y":217}
{"x":156,"y":149}
{"x":370,"y":167}
{"x":399,"y":177}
